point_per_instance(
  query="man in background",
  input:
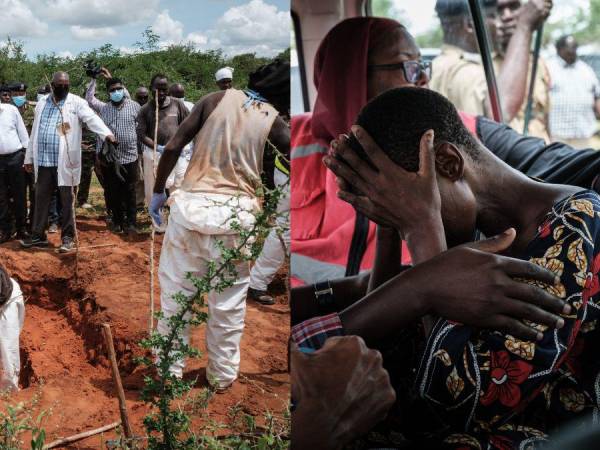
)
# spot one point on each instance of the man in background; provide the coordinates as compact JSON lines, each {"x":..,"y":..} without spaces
{"x":517,"y":22}
{"x":457,"y":73}
{"x":5,"y":94}
{"x":574,"y":96}
{"x":14,"y":139}
{"x":120,"y":114}
{"x":224,"y":78}
{"x":18,"y":92}
{"x":171,"y":113}
{"x":141,"y":95}
{"x":54,"y":155}
{"x":178,"y":91}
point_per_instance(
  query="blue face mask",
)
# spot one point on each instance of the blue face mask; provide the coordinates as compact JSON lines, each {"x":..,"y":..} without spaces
{"x":19,"y":100}
{"x":117,"y":96}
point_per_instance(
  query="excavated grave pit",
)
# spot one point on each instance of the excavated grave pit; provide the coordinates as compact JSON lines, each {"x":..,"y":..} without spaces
{"x":62,"y":346}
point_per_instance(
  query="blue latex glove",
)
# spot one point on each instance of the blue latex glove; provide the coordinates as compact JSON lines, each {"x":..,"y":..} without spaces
{"x":157,"y":202}
{"x":160,"y":149}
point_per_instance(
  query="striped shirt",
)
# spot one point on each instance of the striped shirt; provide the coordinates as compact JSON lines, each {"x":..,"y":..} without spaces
{"x":47,"y":136}
{"x":122,"y":121}
{"x":312,"y":333}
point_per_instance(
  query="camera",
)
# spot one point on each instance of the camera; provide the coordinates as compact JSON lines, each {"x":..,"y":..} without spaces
{"x":92,"y":68}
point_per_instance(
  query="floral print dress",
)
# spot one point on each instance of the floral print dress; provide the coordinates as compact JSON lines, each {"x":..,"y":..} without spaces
{"x":496,"y":391}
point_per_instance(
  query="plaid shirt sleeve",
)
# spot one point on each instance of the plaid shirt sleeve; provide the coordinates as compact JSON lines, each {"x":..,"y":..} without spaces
{"x":312,"y":334}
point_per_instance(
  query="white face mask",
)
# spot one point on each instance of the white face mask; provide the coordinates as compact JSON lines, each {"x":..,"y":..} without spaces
{"x":40,"y":97}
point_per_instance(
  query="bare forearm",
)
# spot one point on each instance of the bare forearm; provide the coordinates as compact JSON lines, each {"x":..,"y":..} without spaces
{"x":513,"y":76}
{"x":148,"y":142}
{"x":388,"y":255}
{"x":424,"y":244}
{"x":165,"y":166}
{"x":393,"y":305}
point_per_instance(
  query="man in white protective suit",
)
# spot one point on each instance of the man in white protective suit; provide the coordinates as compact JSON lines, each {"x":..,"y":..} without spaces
{"x":12,"y":316}
{"x":230,"y":129}
{"x":277,"y":243}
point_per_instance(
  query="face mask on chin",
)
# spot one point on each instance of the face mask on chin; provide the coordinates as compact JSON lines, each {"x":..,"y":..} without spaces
{"x":61,"y":92}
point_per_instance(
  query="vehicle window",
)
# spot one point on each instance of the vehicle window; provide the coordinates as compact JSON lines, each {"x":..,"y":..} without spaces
{"x":446,"y":36}
{"x":554,"y":92}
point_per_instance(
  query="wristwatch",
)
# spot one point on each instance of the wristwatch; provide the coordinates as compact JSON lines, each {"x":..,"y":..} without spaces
{"x":324,"y":297}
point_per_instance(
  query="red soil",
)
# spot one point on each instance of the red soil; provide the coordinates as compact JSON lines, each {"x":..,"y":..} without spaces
{"x":62,"y":348}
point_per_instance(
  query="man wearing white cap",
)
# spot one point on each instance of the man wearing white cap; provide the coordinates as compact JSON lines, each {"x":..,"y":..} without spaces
{"x":224,"y":78}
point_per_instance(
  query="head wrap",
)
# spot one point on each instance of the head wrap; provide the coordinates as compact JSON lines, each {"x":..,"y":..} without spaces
{"x":340,"y":74}
{"x":272,"y":81}
{"x":224,"y":73}
{"x":6,"y":286}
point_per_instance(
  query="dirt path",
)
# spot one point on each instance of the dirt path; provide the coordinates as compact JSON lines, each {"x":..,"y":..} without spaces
{"x":62,"y":350}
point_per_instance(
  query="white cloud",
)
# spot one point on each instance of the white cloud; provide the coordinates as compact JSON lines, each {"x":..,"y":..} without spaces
{"x":254,"y":24}
{"x":66,"y":54}
{"x":129,"y":50}
{"x":18,"y":20}
{"x":169,"y":29}
{"x":96,"y":13}
{"x":255,"y":27}
{"x":91,"y":34}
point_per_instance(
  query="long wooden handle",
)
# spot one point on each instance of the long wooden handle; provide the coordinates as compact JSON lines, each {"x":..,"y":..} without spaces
{"x":80,"y":436}
{"x":117,"y":379}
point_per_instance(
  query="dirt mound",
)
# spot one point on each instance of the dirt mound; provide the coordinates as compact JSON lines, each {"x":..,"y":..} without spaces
{"x":62,"y":348}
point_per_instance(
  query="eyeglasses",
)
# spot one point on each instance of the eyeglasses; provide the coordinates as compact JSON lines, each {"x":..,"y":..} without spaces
{"x":413,"y":70}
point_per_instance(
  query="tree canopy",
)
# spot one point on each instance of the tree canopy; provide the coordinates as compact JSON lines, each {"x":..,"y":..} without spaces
{"x":181,"y":63}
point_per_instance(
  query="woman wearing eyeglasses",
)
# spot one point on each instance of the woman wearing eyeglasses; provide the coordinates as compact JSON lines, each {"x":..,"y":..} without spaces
{"x":359,"y":59}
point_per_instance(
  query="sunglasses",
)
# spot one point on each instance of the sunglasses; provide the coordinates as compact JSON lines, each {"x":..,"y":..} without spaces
{"x":413,"y":70}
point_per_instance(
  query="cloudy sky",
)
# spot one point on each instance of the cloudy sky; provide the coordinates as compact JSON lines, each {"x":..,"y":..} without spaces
{"x":68,"y":27}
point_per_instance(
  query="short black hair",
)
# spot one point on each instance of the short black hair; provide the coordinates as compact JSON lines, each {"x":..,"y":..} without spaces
{"x":454,"y":8}
{"x":158,"y":76}
{"x":272,"y":81}
{"x":561,"y":42}
{"x":397,"y":119}
{"x":112,"y":81}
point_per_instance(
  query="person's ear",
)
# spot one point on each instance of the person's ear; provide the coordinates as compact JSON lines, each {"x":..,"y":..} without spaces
{"x":449,"y":162}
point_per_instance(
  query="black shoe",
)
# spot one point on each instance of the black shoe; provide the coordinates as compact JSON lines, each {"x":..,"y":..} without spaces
{"x":260,"y":297}
{"x":23,"y":234}
{"x":67,"y":246}
{"x":115,"y":227}
{"x":35,"y":241}
{"x":4,"y":237}
{"x":131,"y":230}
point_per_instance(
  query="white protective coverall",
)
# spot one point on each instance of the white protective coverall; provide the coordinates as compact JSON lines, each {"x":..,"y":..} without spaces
{"x":12,"y":317}
{"x":273,"y":252}
{"x":219,"y":186}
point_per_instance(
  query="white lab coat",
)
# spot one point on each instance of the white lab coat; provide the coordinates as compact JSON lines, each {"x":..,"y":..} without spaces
{"x":12,"y":317}
{"x":75,"y":111}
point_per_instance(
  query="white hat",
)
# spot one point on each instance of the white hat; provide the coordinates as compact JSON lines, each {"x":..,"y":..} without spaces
{"x":225,"y":72}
